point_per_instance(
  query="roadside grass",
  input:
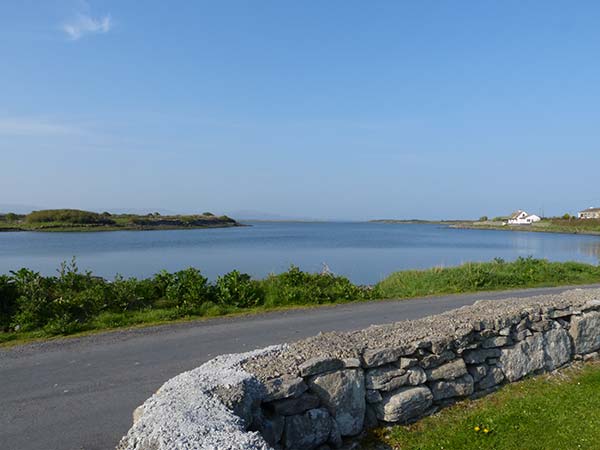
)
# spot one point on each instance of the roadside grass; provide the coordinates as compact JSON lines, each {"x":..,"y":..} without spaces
{"x":34,"y":307}
{"x":558,"y":411}
{"x":487,"y":276}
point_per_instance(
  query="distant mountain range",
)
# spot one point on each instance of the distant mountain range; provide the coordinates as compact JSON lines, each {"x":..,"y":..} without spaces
{"x":248,"y":214}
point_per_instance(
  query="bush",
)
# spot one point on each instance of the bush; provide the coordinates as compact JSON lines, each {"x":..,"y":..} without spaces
{"x":188,"y":289}
{"x":238,"y":290}
{"x":483,"y":219}
{"x":298,"y":287}
{"x":8,"y":301}
{"x":70,"y":216}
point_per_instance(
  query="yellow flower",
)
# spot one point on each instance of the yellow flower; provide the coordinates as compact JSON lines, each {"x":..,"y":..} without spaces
{"x":485,"y":430}
{"x":477,"y":428}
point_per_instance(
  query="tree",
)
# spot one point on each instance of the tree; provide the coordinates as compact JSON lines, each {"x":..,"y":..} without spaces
{"x":483,"y":219}
{"x":566,"y":216}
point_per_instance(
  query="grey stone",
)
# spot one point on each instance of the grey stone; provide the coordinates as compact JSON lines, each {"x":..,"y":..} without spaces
{"x":240,"y":399}
{"x":351,"y":363}
{"x":413,"y":376}
{"x":377,"y":378}
{"x":405,"y":363}
{"x":343,"y":393}
{"x":404,"y":404}
{"x":320,"y":364}
{"x":373,"y":396}
{"x":591,"y":356}
{"x":520,"y":335}
{"x":448,"y":371}
{"x":379,"y":357}
{"x":585,"y":331}
{"x":371,"y":417}
{"x":431,"y":361}
{"x":308,"y":430}
{"x":459,"y":387}
{"x":478,"y":371}
{"x":557,"y":348}
{"x":542,"y":325}
{"x":480,"y":355}
{"x":283,"y":387}
{"x":494,"y":376}
{"x":296,"y":405}
{"x":335,"y":437}
{"x":523,"y":358}
{"x":269,"y":425}
{"x":416,"y":376}
{"x":558,"y":313}
{"x":504,"y":331}
{"x":497,"y":341}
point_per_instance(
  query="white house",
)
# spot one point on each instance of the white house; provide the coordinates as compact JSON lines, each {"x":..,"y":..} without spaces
{"x":590,"y":213}
{"x":522,"y":218}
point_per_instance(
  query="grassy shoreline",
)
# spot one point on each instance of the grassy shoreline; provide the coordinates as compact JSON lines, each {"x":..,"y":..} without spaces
{"x":34,"y":307}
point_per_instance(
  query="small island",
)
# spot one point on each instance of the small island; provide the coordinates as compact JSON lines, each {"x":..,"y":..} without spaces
{"x":78,"y":220}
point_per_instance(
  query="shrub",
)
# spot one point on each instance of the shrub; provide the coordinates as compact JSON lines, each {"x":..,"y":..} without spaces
{"x":298,"y":287}
{"x":483,"y":219}
{"x":188,"y":289}
{"x":128,"y":294}
{"x":8,"y":301}
{"x":71,"y":216}
{"x":239,"y":290}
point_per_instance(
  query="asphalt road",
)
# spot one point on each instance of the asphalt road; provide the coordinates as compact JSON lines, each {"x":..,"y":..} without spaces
{"x":78,"y":394}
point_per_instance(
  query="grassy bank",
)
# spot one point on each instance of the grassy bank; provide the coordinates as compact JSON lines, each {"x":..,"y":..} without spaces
{"x":554,"y":411}
{"x":77,"y":220}
{"x":35,"y":306}
{"x":556,"y":225}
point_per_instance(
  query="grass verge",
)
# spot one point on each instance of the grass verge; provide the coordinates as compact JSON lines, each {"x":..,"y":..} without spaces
{"x":555,"y":411}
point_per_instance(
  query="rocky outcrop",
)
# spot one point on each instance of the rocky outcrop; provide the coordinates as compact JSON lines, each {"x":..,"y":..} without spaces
{"x":320,"y":391}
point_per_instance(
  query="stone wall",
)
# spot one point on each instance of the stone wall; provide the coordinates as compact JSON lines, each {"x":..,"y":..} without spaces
{"x":325,"y":390}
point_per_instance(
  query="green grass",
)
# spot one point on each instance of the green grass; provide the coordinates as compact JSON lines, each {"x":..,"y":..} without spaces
{"x":488,"y":276}
{"x":555,"y":225}
{"x":558,"y":411}
{"x":35,"y":307}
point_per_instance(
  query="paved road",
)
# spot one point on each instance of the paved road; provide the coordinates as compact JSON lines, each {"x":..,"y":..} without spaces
{"x":78,"y":394}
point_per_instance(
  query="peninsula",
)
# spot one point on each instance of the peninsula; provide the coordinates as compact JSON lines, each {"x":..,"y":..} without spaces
{"x":78,"y":220}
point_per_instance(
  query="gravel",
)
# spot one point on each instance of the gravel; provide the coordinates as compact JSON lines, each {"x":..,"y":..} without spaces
{"x":188,"y":412}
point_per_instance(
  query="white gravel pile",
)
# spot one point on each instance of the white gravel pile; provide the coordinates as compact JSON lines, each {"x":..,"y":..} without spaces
{"x":186,"y":412}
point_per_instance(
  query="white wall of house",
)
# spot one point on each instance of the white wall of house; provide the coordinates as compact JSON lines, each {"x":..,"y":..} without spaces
{"x":524,"y":219}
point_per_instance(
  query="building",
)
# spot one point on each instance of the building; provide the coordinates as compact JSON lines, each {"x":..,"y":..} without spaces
{"x":590,"y":213}
{"x":521,"y":217}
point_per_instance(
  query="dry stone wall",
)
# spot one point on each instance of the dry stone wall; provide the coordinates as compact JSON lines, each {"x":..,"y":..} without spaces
{"x":320,"y":392}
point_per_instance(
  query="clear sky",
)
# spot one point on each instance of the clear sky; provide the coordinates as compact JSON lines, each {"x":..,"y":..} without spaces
{"x":327,"y":109}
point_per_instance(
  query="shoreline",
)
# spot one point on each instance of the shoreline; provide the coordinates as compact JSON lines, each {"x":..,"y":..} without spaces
{"x":523,"y":228}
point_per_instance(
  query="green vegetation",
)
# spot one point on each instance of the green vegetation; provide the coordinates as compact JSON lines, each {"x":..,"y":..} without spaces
{"x":35,"y":306}
{"x":554,"y":411}
{"x":565,"y":224}
{"x":498,"y":274}
{"x":77,"y":220}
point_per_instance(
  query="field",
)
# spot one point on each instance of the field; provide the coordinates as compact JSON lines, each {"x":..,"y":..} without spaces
{"x":35,"y":306}
{"x":554,"y":411}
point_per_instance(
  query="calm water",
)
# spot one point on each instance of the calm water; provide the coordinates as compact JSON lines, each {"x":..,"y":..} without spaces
{"x":365,"y":252}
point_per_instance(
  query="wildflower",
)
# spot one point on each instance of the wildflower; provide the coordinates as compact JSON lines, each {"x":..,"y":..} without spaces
{"x":477,"y":428}
{"x":485,"y":430}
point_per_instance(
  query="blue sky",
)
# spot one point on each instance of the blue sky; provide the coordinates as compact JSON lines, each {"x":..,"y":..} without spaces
{"x":337,"y":109}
